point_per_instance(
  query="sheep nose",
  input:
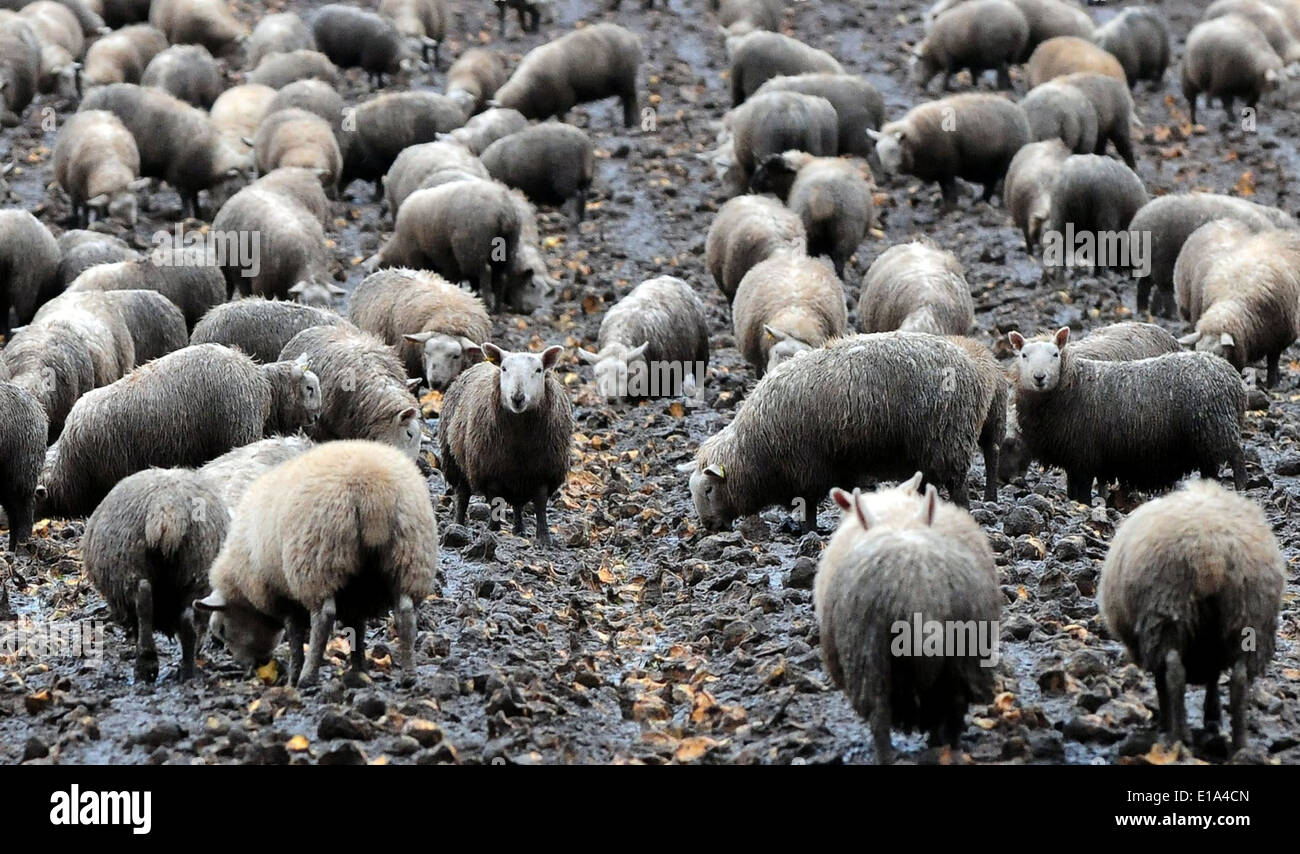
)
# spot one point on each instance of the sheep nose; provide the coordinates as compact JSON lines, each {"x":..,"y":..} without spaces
{"x":518,"y":401}
{"x":1040,"y":378}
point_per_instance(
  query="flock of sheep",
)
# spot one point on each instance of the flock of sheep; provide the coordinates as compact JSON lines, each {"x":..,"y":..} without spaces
{"x":249,"y":459}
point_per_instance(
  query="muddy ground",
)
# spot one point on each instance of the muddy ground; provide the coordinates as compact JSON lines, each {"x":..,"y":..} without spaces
{"x":639,"y":638}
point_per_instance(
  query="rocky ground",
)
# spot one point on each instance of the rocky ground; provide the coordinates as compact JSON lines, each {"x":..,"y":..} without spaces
{"x":639,"y":638}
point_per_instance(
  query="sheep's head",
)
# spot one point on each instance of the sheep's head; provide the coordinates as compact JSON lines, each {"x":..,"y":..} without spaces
{"x":712,"y":499}
{"x":613,"y":366}
{"x":444,"y":356}
{"x":784,"y":347}
{"x":316,"y":294}
{"x":403,"y":430}
{"x":892,"y":149}
{"x":297,"y":393}
{"x":250,"y":635}
{"x":1222,"y":345}
{"x":522,"y":376}
{"x":776,"y":173}
{"x":920,"y":68}
{"x":1039,"y":362}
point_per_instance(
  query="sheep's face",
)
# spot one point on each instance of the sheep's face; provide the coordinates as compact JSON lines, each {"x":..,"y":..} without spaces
{"x":309,"y":399}
{"x":316,"y":294}
{"x":712,"y":500}
{"x":250,"y":635}
{"x":1039,"y":362}
{"x":403,"y":431}
{"x":1222,"y":345}
{"x":920,"y":70}
{"x":444,"y":357}
{"x":613,"y":368}
{"x":123,"y":208}
{"x":891,"y":148}
{"x":784,"y":347}
{"x":522,"y":376}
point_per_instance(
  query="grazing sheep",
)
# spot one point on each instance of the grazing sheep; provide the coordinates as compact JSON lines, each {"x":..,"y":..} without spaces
{"x":979,"y":36}
{"x":1268,"y":18}
{"x":122,"y":56}
{"x":1227,"y":58}
{"x":552,"y":163}
{"x":357,"y":38}
{"x":1201,"y":251}
{"x":204,"y":22}
{"x":20,"y":68}
{"x":62,"y":44}
{"x":1095,"y":195}
{"x":79,"y":250}
{"x":317,"y":294}
{"x":363,"y":387}
{"x":505,"y":433}
{"x":654,"y":342}
{"x":1027,"y":193}
{"x":916,"y":287}
{"x":1139,"y":38}
{"x":297,"y":138}
{"x":343,"y":532}
{"x":1099,"y":420}
{"x":187,"y":71}
{"x":300,"y":187}
{"x":475,"y":77}
{"x":428,"y":164}
{"x":1064,"y":55}
{"x":1047,"y":19}
{"x":784,"y":306}
{"x":1113,"y":103}
{"x":382,"y":127}
{"x":467,"y":231}
{"x":97,"y":164}
{"x":125,"y":427}
{"x":147,"y":549}
{"x":177,"y":142}
{"x":596,"y":62}
{"x":737,"y":17}
{"x":29,"y":263}
{"x":423,"y":23}
{"x":760,"y":55}
{"x":231,"y":474}
{"x":890,"y":571}
{"x":434,"y":326}
{"x":858,"y":105}
{"x":290,"y":242}
{"x":831,"y":197}
{"x":192,"y":288}
{"x":279,"y":32}
{"x":314,"y":96}
{"x":774,"y":123}
{"x":487,"y":127}
{"x":55,"y":365}
{"x":529,"y":279}
{"x":239,"y":110}
{"x":85,"y":12}
{"x":1188,"y":579}
{"x":23,"y":430}
{"x":100,"y":324}
{"x":1245,"y":298}
{"x":1171,"y":219}
{"x":745,"y":231}
{"x":881,"y":393}
{"x":156,"y":325}
{"x":278,"y":70}
{"x":1059,"y":111}
{"x":969,"y":136}
{"x":258,"y":327}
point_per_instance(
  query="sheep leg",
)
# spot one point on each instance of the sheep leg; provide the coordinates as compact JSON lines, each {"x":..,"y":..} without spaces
{"x":880,"y":734}
{"x":146,"y":654}
{"x":1228,"y":102}
{"x":519,"y":519}
{"x":1175,"y":677}
{"x":580,"y":205}
{"x":462,"y":503}
{"x":1273,"y":359}
{"x":1143,"y":293}
{"x":1162,"y":700}
{"x":404,"y":622}
{"x":379,"y":192}
{"x":357,"y":641}
{"x":1078,"y":487}
{"x":542,"y":535}
{"x":955,"y":723}
{"x":322,"y":623}
{"x":1238,"y":684}
{"x":947,"y":81}
{"x":957,"y":490}
{"x":189,"y":637}
{"x":1238,"y":462}
{"x":991,"y":454}
{"x":629,"y":108}
{"x":1191,"y":96}
{"x":1004,"y":76}
{"x":501,"y":20}
{"x":4,"y":313}
{"x":808,"y":524}
{"x":948,"y":186}
{"x":1213,"y":713}
{"x":20,"y":523}
{"x":296,"y":634}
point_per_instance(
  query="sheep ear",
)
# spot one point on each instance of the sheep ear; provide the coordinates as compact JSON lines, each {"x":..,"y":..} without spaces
{"x":842,"y":499}
{"x":138,"y":184}
{"x":417,"y":337}
{"x":406,"y":414}
{"x":913,"y":484}
{"x":865,"y":519}
{"x":471,"y":350}
{"x":335,"y":289}
{"x":303,"y":362}
{"x":298,"y":288}
{"x":929,"y":504}
{"x":715,"y":470}
{"x":214,"y":601}
{"x":492,"y":352}
{"x":775,"y":333}
{"x":1226,"y":340}
{"x":1016,"y":340}
{"x":587,"y":356}
{"x":413,"y":385}
{"x":1061,"y":337}
{"x":98,"y":201}
{"x":551,"y":356}
{"x":637,"y":352}
{"x":247,"y":140}
{"x":1190,"y":339}
{"x":686,"y":467}
{"x":874,"y":134}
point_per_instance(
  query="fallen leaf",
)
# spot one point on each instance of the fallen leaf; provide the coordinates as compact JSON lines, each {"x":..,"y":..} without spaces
{"x":269,"y":672}
{"x":297,"y":744}
{"x":691,"y":749}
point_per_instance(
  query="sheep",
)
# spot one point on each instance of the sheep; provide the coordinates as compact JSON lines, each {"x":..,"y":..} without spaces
{"x":1113,"y":103}
{"x":239,"y":110}
{"x":258,"y":327}
{"x":156,"y":325}
{"x":434,"y":326}
{"x":784,"y":306}
{"x":29,"y":263}
{"x":1047,"y":19}
{"x":653,"y":343}
{"x":187,"y":71}
{"x":280,"y":32}
{"x":978,"y":35}
{"x":62,"y":44}
{"x":380,"y":128}
{"x":300,"y":187}
{"x":774,"y":123}
{"x":881,"y":393}
{"x":204,"y":22}
{"x":1245,"y":298}
{"x":314,"y":96}
{"x":317,"y":294}
{"x":745,"y":231}
{"x":889,"y":571}
{"x":428,"y":164}
{"x":55,"y":365}
{"x":147,"y":549}
{"x":535,"y":10}
{"x":1064,"y":55}
{"x":590,"y":64}
{"x":505,"y":433}
{"x":1200,"y":254}
{"x":231,"y":474}
{"x":222,"y":397}
{"x":480,"y":249}
{"x":1118,"y":342}
{"x":20,"y":68}
{"x":421,"y":22}
{"x":1170,"y":220}
{"x":1098,"y":419}
{"x":916,"y":287}
{"x":1269,"y":19}
{"x":84,"y":11}
{"x":475,"y":77}
{"x":120,"y":13}
{"x":1188,"y":578}
{"x":297,"y":138}
{"x":831,"y":197}
{"x":79,"y":250}
{"x":353,"y":37}
{"x":761,"y":55}
{"x":737,"y":17}
{"x":968,"y":136}
{"x":192,"y":288}
{"x":529,"y":279}
{"x":1139,"y":38}
{"x":1027,"y":192}
{"x":122,"y":56}
{"x":1095,"y":195}
{"x":97,"y":164}
{"x":552,"y":163}
{"x":290,"y":242}
{"x":858,"y":105}
{"x":278,"y":70}
{"x":23,"y":430}
{"x":1226,"y":58}
{"x":302,"y":552}
{"x":1059,"y":111}
{"x":487,"y":127}
{"x":363,"y":387}
{"x":100,"y":324}
{"x":177,"y":142}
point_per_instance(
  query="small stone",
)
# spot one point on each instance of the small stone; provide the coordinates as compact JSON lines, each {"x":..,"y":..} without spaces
{"x":35,"y":749}
{"x":403,"y":745}
{"x":370,"y":705}
{"x":347,"y":753}
{"x":1068,"y":548}
{"x":485,"y":549}
{"x":454,"y":536}
{"x":1019,"y":626}
{"x":735,"y":634}
{"x":334,"y":725}
{"x":167,"y":732}
{"x":425,"y":732}
{"x":1085,"y":663}
{"x":1288,"y":466}
{"x":1022,"y":520}
{"x":802,"y":574}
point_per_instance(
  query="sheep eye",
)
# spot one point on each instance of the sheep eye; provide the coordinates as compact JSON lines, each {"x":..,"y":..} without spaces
{"x":538,"y":371}
{"x":1056,"y":355}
